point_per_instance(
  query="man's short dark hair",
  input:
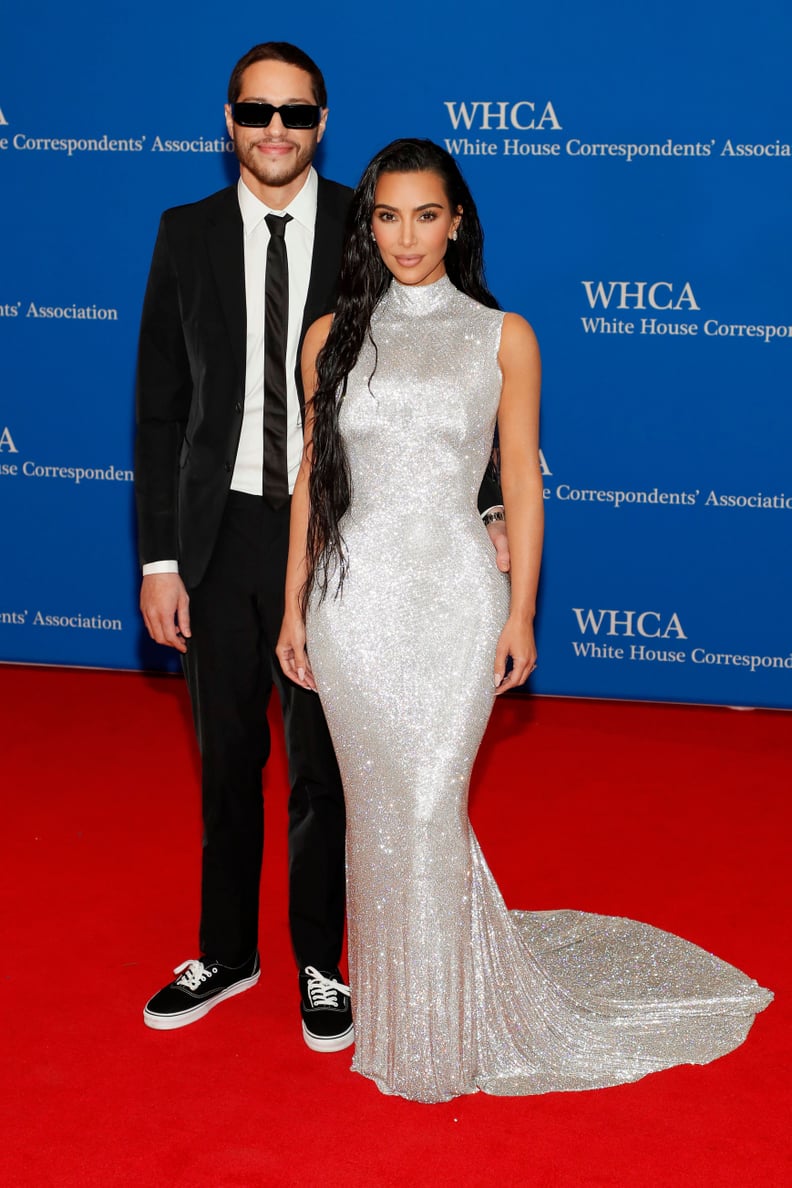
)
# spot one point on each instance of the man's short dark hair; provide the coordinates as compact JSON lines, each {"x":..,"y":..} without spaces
{"x":278,"y":51}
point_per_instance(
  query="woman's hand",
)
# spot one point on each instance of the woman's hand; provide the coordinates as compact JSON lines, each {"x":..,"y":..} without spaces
{"x":516,"y":640}
{"x":290,"y":650}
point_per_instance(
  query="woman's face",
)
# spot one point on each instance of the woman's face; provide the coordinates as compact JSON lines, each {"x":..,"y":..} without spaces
{"x":412,"y":223}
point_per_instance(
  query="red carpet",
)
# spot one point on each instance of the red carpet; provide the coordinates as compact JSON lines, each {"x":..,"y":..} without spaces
{"x":674,"y":815}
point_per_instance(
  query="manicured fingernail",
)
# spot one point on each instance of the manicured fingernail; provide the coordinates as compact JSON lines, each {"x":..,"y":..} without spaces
{"x":497,"y":679}
{"x":301,"y":673}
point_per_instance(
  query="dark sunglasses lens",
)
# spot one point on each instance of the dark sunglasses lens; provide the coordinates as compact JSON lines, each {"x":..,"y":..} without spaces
{"x":299,"y":115}
{"x":253,"y":115}
{"x":259,"y":115}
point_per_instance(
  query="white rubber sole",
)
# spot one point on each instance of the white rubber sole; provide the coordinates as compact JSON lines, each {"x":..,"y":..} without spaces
{"x":193,"y":1014}
{"x":332,"y":1043}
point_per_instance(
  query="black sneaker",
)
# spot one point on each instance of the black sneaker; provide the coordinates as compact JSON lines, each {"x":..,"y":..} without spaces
{"x":326,"y":1013}
{"x":200,"y":987}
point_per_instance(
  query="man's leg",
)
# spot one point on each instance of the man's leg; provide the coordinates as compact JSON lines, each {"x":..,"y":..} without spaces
{"x":316,"y":831}
{"x":229,"y":675}
{"x":230,"y":688}
{"x":316,"y":870}
{"x":316,"y":844}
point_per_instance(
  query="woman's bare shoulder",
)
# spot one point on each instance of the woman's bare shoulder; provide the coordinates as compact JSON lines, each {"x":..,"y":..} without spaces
{"x":517,"y":338}
{"x":316,"y":335}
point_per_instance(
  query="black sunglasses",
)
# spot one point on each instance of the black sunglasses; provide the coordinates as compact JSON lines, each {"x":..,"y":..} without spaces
{"x":259,"y":115}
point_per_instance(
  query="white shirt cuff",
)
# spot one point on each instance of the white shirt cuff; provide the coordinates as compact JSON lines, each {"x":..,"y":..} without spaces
{"x":160,"y":567}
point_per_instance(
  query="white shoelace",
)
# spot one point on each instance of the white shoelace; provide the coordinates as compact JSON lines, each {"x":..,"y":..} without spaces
{"x":322,"y":991}
{"x":193,"y":974}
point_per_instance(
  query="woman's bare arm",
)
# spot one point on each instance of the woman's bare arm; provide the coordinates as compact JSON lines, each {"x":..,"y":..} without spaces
{"x":290,"y":648}
{"x":522,"y":483}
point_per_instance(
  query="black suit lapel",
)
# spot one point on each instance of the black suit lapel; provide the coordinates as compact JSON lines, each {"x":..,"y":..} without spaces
{"x":324,"y":266}
{"x":225,"y":241}
{"x":331,"y":209}
{"x":326,"y":261}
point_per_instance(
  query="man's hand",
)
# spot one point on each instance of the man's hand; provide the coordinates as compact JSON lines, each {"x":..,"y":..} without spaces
{"x":165,"y":605}
{"x":500,"y":539}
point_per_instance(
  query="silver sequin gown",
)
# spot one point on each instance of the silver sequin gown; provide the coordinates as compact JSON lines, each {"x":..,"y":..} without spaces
{"x":451,"y":992}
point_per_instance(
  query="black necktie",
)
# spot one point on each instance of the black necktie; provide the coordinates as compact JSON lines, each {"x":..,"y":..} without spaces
{"x":276,"y":329}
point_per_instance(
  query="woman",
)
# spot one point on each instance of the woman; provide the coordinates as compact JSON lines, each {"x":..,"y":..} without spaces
{"x":410,"y":627}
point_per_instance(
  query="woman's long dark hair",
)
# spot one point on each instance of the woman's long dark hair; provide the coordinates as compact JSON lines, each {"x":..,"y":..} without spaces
{"x":363,"y":281}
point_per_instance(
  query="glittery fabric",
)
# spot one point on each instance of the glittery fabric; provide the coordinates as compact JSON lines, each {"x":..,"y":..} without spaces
{"x":451,"y":992}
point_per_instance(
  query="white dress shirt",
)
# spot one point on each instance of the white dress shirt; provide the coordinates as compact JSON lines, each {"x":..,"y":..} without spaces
{"x":299,"y":234}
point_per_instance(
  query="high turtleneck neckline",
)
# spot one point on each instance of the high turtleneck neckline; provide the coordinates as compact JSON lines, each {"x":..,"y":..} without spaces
{"x":418,"y":300}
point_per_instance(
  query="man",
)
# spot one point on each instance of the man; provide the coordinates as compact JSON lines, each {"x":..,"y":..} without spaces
{"x":235,"y":281}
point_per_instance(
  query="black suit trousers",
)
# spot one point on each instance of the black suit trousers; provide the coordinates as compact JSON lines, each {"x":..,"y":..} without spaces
{"x":230,"y":666}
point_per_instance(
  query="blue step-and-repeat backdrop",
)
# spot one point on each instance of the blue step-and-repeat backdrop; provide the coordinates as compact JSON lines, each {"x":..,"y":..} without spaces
{"x":632,"y":165}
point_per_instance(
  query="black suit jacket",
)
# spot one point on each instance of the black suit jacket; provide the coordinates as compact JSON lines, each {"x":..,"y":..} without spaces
{"x":191,"y":369}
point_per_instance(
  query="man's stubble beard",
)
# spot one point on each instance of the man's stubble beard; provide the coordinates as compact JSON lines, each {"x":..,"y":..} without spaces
{"x":275,"y":173}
